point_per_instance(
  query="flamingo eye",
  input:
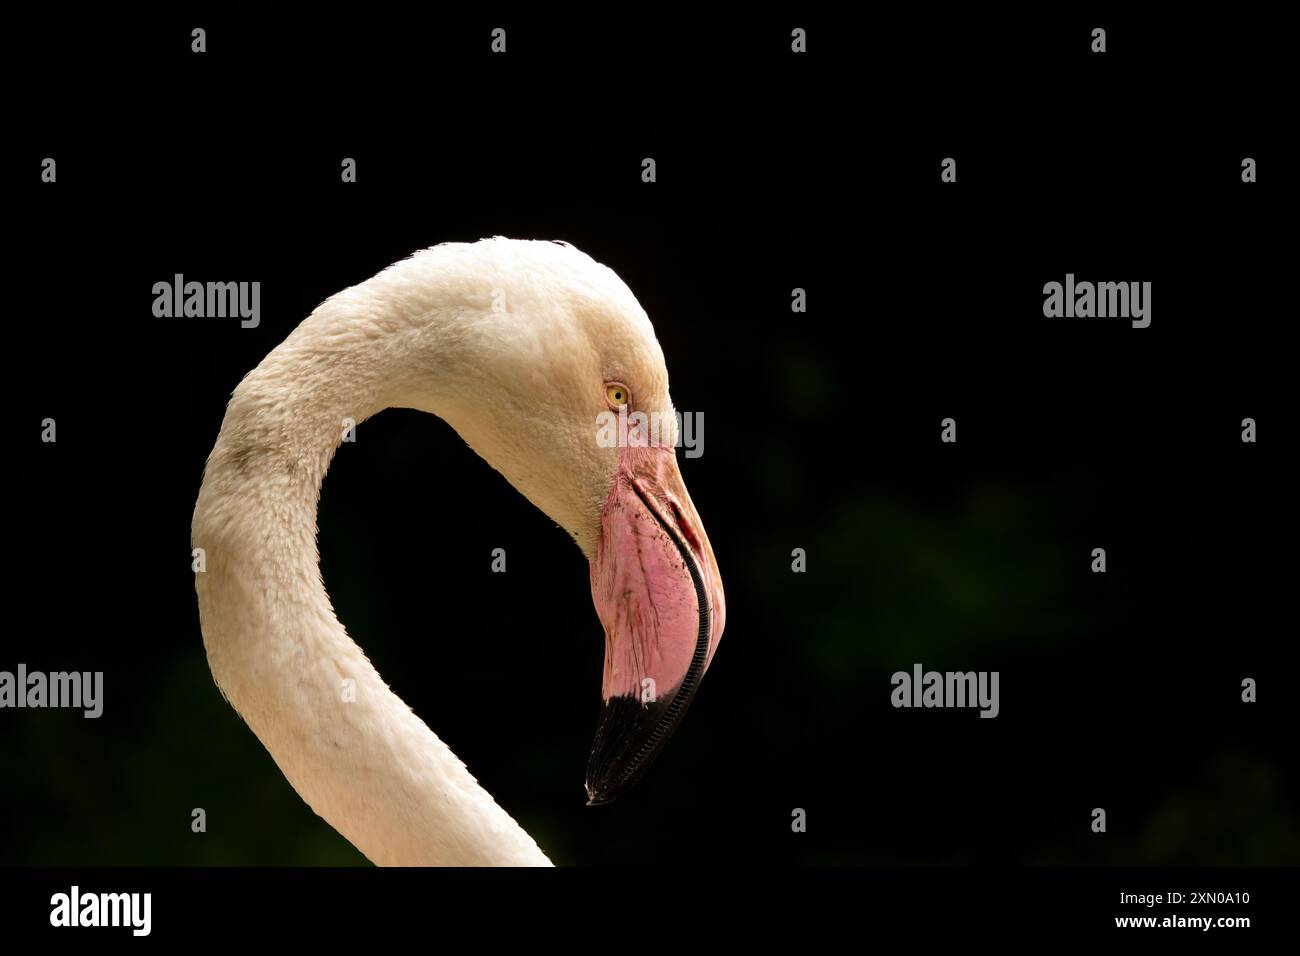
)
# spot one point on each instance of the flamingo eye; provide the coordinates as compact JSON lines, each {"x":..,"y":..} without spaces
{"x":616,"y":393}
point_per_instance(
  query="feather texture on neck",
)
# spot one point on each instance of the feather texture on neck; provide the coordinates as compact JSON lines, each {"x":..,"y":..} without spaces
{"x":351,"y":748}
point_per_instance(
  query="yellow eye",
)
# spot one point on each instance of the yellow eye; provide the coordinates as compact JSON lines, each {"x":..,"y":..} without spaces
{"x":616,"y":393}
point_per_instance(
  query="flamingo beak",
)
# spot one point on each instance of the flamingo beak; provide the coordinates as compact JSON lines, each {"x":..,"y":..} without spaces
{"x":658,"y":593}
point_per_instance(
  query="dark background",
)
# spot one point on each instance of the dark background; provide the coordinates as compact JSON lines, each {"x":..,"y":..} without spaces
{"x":821,"y":171}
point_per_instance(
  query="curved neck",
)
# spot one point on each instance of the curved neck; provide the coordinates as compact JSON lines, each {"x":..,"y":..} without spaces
{"x":350,"y":747}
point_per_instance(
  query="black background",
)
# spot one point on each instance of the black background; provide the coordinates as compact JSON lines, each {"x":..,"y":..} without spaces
{"x":775,"y":171}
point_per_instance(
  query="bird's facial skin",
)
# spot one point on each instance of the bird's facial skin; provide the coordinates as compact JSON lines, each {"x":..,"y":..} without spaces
{"x":657,"y":590}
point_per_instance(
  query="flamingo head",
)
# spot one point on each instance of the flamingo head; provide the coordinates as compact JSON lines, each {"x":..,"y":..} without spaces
{"x":555,"y":377}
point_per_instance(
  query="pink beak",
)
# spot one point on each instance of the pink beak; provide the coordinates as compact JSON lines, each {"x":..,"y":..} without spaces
{"x":657,"y":590}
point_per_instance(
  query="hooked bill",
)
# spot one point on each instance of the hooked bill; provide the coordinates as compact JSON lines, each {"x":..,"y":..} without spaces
{"x":656,"y":587}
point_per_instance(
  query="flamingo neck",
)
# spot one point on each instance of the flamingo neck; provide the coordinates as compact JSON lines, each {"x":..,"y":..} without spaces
{"x":356,"y":753}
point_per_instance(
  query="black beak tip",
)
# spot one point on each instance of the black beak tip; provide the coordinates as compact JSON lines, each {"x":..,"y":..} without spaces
{"x":631,"y":734}
{"x":607,"y":790}
{"x":605,"y":786}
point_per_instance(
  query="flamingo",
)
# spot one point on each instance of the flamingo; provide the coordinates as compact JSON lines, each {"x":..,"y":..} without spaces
{"x":521,"y":346}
